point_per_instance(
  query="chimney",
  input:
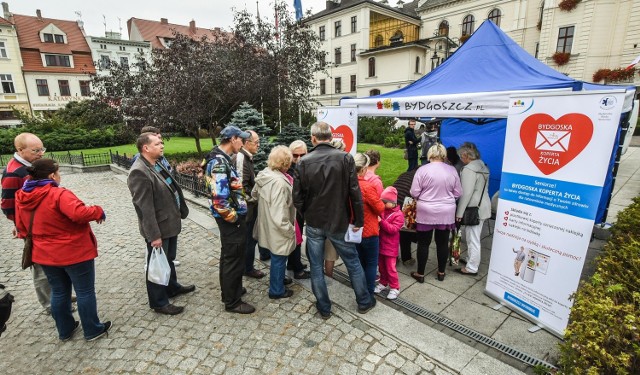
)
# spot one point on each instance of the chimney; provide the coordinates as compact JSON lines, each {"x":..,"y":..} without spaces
{"x":39,"y":14}
{"x":5,"y":10}
{"x":192,"y":26}
{"x":331,"y":4}
{"x":164,"y":21}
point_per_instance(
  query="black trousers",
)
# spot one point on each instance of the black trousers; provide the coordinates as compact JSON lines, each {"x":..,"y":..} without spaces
{"x":159,"y":294}
{"x":442,"y":248}
{"x":406,"y":238}
{"x":233,"y":237}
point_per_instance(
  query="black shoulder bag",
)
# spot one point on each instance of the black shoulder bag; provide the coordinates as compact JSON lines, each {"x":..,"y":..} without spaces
{"x":471,"y":215}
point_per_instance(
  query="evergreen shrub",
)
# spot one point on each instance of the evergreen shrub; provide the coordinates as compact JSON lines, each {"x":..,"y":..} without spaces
{"x":603,"y":335}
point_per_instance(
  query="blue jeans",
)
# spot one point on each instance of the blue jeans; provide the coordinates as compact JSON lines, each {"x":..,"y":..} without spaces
{"x":276,"y":274}
{"x":368,"y":251}
{"x":349,"y":255}
{"x":82,"y":276}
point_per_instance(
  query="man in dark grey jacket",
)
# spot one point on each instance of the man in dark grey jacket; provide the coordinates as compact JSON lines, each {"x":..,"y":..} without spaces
{"x":160,"y":206}
{"x":327,"y":194}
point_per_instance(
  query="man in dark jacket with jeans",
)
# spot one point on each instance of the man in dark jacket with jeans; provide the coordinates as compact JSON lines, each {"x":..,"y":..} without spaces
{"x":327,"y":194}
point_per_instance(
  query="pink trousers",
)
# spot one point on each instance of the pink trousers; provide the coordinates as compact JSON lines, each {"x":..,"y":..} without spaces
{"x":388,"y":272}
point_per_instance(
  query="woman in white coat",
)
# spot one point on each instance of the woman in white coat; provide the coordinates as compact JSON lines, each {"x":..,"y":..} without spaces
{"x":474,"y":178}
{"x":275,"y":227}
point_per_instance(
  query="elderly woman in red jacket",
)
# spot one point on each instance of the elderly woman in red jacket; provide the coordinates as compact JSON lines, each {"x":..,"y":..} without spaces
{"x":64,"y":245}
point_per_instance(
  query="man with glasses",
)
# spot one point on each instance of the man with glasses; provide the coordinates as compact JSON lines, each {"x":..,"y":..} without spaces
{"x":243,"y":163}
{"x":294,"y":262}
{"x":29,"y":148}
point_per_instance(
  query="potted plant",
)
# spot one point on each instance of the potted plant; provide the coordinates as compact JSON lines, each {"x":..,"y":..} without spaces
{"x":568,"y":5}
{"x":561,"y":58}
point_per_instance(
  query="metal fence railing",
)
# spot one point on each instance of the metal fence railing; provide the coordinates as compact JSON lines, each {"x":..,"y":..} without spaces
{"x":81,"y":159}
{"x":192,"y":183}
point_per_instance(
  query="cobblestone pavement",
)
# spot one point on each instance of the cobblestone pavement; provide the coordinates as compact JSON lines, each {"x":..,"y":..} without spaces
{"x":283,"y":336}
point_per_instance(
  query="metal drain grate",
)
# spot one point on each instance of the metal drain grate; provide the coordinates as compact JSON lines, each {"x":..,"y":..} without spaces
{"x":468,"y":332}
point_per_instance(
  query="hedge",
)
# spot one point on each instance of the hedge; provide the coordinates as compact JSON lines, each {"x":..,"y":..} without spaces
{"x":64,"y":138}
{"x":603,"y":335}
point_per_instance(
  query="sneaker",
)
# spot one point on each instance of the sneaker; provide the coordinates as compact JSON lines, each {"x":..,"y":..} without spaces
{"x":107,"y":327}
{"x":365,"y":309}
{"x":73,"y":332}
{"x":393,"y":294}
{"x":379,"y":288}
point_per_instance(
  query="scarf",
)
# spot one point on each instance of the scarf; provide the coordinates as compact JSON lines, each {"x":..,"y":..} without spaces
{"x":29,"y":185}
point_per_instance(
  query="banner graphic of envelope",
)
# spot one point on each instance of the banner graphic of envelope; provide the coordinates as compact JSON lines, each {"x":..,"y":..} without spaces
{"x":553,"y":140}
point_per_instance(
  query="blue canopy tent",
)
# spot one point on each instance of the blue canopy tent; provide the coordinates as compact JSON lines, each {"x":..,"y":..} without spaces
{"x":471,"y":91}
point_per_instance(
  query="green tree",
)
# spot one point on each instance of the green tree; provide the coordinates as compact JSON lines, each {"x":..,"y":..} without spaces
{"x":292,"y":132}
{"x":248,"y":118}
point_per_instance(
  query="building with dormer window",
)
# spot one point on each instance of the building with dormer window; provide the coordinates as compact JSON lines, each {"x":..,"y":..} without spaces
{"x":370,"y":48}
{"x":160,"y":34}
{"x":13,"y":93}
{"x":56,"y":59}
{"x":112,"y":47}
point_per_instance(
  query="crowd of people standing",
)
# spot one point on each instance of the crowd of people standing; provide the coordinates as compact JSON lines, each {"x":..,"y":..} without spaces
{"x":325,"y":193}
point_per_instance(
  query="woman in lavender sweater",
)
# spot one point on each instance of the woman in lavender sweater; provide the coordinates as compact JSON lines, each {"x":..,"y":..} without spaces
{"x":435,"y":187}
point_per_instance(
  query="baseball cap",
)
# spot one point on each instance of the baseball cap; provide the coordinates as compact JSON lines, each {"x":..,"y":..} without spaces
{"x":231,"y":131}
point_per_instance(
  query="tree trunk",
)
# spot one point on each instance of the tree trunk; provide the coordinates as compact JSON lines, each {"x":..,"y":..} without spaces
{"x":198,"y":147}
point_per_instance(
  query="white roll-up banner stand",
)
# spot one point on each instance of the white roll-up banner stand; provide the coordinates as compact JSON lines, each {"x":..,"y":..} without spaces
{"x":556,"y":156}
{"x":344,"y":125}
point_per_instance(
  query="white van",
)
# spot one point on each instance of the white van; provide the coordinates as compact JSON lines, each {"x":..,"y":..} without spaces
{"x":398,"y":123}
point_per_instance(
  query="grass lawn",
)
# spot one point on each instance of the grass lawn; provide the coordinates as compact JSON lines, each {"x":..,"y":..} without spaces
{"x":392,"y":162}
{"x":171,"y":146}
{"x":391,"y":165}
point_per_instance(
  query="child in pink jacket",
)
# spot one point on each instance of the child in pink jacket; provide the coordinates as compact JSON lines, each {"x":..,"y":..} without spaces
{"x":391,"y":221}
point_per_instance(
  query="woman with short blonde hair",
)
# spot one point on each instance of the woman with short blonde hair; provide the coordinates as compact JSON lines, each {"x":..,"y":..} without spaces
{"x":275,"y":227}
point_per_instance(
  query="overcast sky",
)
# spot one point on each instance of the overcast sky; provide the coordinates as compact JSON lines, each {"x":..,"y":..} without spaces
{"x":206,"y":13}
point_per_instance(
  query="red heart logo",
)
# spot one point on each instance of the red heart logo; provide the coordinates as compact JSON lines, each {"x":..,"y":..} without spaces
{"x":344,"y":133}
{"x":551,"y":144}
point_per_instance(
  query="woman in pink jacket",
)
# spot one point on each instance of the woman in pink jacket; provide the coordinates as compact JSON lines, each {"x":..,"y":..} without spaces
{"x":391,"y":220}
{"x":435,"y":187}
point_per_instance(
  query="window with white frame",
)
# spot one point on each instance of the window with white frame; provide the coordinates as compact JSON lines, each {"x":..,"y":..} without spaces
{"x":3,"y":50}
{"x":65,"y":90}
{"x":43,"y":87}
{"x":7,"y":84}
{"x":57,"y":60}
{"x":468,"y":24}
{"x":85,"y":88}
{"x":565,"y":39}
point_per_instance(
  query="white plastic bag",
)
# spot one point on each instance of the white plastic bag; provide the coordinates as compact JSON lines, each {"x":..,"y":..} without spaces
{"x":158,"y":270}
